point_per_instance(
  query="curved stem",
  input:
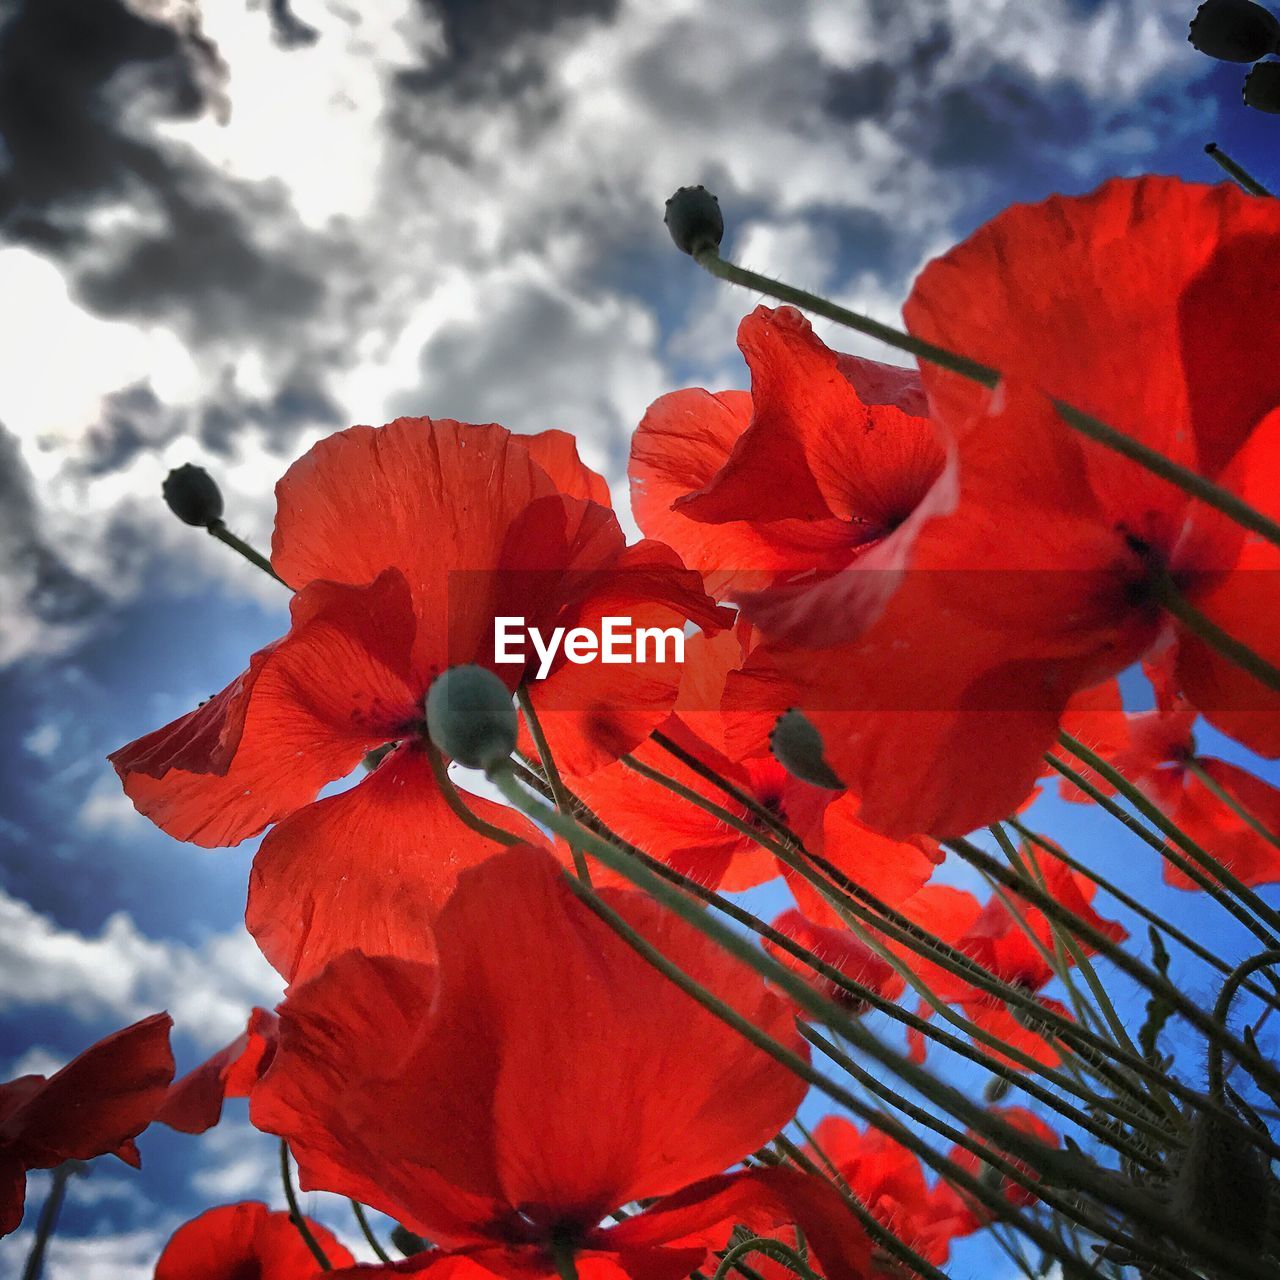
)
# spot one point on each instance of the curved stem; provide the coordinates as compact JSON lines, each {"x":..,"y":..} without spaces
{"x":453,"y":798}
{"x":367,"y":1231}
{"x":1222,"y":1011}
{"x":295,"y":1214}
{"x":556,"y":783}
{"x":772,"y":1249}
{"x":224,"y":535}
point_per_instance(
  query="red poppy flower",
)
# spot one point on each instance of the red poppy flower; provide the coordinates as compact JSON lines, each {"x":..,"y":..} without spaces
{"x":194,"y":1103}
{"x":235,"y":1241}
{"x":827,"y":455}
{"x":1158,"y":754}
{"x":1008,"y":947}
{"x":1038,"y":575}
{"x":505,"y":1100}
{"x":841,"y":950}
{"x":403,"y":544}
{"x":890,"y":1182}
{"x":96,"y":1105}
{"x":1014,"y":1192}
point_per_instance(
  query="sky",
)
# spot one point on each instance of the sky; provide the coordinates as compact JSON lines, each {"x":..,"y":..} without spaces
{"x":230,"y":227}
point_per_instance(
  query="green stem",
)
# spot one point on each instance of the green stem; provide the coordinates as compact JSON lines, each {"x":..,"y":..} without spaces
{"x":1212,"y":785}
{"x":556,"y":783}
{"x":224,"y":535}
{"x":1237,"y":171}
{"x":774,"y":1249}
{"x":452,"y":797}
{"x":1128,"y":901}
{"x":1207,"y":861}
{"x":881,"y":1234}
{"x":1063,"y":1167}
{"x":367,"y":1231}
{"x":295,"y":1214}
{"x":1023,"y":1080}
{"x":1222,"y":1011}
{"x":1164,"y":849}
{"x":47,"y":1223}
{"x":1188,"y":481}
{"x":850,"y":900}
{"x":1133,"y":968}
{"x":1167,"y":595}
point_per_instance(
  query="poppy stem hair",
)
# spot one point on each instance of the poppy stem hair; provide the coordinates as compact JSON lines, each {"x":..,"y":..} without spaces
{"x":295,"y":1213}
{"x":224,"y":535}
{"x":1237,"y":171}
{"x":708,"y":257}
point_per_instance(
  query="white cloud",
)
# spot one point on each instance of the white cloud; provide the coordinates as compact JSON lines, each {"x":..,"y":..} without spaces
{"x":43,"y":740}
{"x":130,"y":1255}
{"x":125,"y":976}
{"x":469,"y":254}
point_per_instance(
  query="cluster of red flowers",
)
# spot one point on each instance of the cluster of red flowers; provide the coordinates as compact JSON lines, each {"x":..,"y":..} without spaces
{"x":941,"y":577}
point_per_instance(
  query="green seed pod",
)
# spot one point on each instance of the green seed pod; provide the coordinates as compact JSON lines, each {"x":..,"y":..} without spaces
{"x":797,"y":747}
{"x":1235,"y":30}
{"x":470,"y":717}
{"x":1224,"y":1184}
{"x":1262,"y":88}
{"x":693,"y":217}
{"x":193,"y":496}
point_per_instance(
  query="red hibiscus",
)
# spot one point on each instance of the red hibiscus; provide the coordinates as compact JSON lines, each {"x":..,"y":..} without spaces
{"x":235,"y":1241}
{"x":1040,"y":573}
{"x":890,"y":1182}
{"x":96,"y":1105}
{"x":194,"y":1103}
{"x":504,"y":1100}
{"x":403,"y":544}
{"x":827,"y":455}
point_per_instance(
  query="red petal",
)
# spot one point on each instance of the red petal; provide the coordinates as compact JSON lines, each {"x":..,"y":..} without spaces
{"x":412,"y":1098}
{"x":368,"y":868}
{"x":434,"y":499}
{"x":1051,"y":291}
{"x":246,"y":1239}
{"x":762,"y":1200}
{"x":556,"y":452}
{"x":814,"y":449}
{"x":595,"y":711}
{"x":305,"y":712}
{"x":97,"y":1102}
{"x":681,"y":443}
{"x":194,"y":1103}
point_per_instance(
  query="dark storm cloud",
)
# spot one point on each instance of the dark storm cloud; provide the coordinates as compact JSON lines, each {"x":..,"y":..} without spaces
{"x":39,"y":581}
{"x":487,"y":43}
{"x":75,"y":77}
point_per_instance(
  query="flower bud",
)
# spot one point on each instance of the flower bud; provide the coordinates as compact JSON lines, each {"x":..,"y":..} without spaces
{"x":192,"y":495}
{"x":470,"y":717}
{"x":797,"y":747}
{"x":693,"y":217}
{"x":1262,"y":88}
{"x":407,"y":1242}
{"x":1235,"y":30}
{"x":1224,"y":1183}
